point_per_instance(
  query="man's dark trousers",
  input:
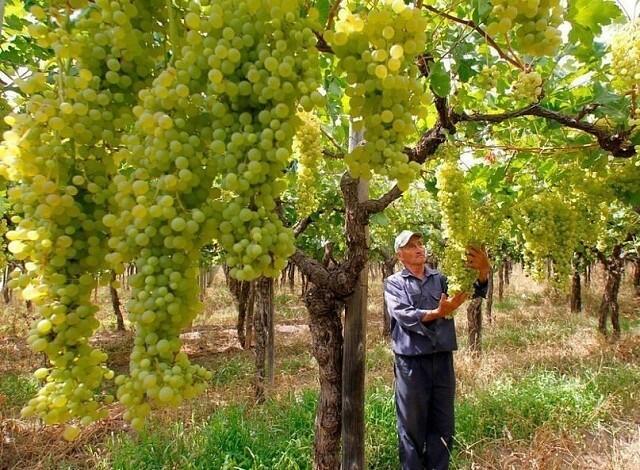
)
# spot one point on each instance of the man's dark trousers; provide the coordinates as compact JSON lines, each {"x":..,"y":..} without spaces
{"x":425,"y":390}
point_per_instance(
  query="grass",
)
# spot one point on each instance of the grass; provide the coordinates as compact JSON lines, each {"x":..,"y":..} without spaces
{"x":17,"y":390}
{"x":231,"y":369}
{"x":280,"y":434}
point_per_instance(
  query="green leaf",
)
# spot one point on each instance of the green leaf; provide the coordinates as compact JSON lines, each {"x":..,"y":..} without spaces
{"x":481,"y":9}
{"x":593,"y":14}
{"x":379,"y":219}
{"x":323,"y":8}
{"x":440,"y":80}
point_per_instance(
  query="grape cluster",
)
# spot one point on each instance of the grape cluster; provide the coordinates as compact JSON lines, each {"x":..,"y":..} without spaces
{"x":377,"y":50}
{"x":221,"y":113}
{"x":534,"y":24}
{"x":549,"y":227}
{"x":60,"y":152}
{"x":264,"y":66}
{"x":307,"y":148}
{"x":528,"y":86}
{"x":625,"y":58}
{"x":488,"y":77}
{"x":157,"y":223}
{"x":457,"y":217}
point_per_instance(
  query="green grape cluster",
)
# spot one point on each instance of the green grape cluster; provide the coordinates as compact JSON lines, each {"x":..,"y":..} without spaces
{"x":548,"y":224}
{"x":263,"y":67}
{"x":307,"y":148}
{"x":625,"y":58}
{"x":377,"y":50}
{"x":223,"y":111}
{"x":528,"y":86}
{"x":457,"y":216}
{"x":488,"y":77}
{"x":534,"y":24}
{"x":59,"y":151}
{"x":157,"y":223}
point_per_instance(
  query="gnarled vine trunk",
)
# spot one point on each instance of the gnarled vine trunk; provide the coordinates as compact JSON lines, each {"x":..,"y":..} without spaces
{"x":490,"y":298}
{"x":576,"y":292}
{"x":115,"y":302}
{"x":264,"y":328}
{"x":326,"y":347}
{"x":636,"y":277}
{"x":243,"y":292}
{"x":500,"y":282}
{"x":474,"y":324}
{"x":609,"y":306}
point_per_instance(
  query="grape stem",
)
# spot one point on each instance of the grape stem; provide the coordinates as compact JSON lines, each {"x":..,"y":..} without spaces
{"x":332,"y":14}
{"x":332,"y":140}
{"x":173,"y":31}
{"x":472,"y":24}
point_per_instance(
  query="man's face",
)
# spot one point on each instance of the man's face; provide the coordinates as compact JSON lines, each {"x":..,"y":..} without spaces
{"x":413,"y":252}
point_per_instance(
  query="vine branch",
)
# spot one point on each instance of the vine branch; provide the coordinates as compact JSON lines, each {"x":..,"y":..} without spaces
{"x":472,"y":24}
{"x":616,"y":143}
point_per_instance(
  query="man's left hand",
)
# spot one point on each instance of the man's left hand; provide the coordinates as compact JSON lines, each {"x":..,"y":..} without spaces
{"x":478,"y":259}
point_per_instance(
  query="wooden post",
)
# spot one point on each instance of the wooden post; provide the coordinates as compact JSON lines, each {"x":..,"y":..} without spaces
{"x":353,"y":365}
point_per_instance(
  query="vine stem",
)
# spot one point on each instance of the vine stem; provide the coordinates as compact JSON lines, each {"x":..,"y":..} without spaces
{"x":472,"y":24}
{"x":173,"y":31}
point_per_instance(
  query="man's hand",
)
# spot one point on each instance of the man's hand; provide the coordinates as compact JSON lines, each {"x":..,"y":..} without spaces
{"x":446,"y":307}
{"x":477,"y":259}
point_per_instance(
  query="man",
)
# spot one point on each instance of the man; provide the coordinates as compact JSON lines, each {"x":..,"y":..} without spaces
{"x":423,"y":338}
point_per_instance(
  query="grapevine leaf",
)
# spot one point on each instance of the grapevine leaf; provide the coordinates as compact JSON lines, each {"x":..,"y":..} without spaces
{"x":593,"y":14}
{"x":379,"y":219}
{"x":481,"y":9}
{"x":323,"y":9}
{"x":440,"y":80}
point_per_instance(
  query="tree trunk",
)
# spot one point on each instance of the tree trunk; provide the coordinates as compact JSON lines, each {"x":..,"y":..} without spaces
{"x":576,"y":292}
{"x":500,"y":282}
{"x":326,"y":346}
{"x":6,"y":292}
{"x":244,"y":294}
{"x":490,"y":298}
{"x":609,"y":305}
{"x":264,"y":328}
{"x":115,"y":302}
{"x":507,"y":272}
{"x":587,"y":275}
{"x":636,"y":277}
{"x":387,"y":270}
{"x":474,"y":322}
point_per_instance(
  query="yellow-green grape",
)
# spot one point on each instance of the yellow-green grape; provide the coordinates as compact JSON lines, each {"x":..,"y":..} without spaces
{"x":488,"y":77}
{"x":307,"y":148}
{"x":457,"y":217}
{"x":377,"y":50}
{"x":528,"y":86}
{"x":532,"y":24}
{"x":549,"y":227}
{"x":625,"y":58}
{"x":59,"y":152}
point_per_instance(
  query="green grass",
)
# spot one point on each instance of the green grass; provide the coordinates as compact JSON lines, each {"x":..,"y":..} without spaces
{"x":18,"y":390}
{"x":231,"y":370}
{"x":279,"y":435}
{"x":523,"y":335}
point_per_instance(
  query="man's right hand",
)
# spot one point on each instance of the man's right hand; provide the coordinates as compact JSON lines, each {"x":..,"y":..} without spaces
{"x":446,"y":307}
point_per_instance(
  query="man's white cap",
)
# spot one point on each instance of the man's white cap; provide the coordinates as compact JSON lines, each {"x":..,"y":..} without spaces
{"x":403,"y":238}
